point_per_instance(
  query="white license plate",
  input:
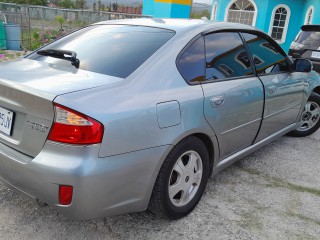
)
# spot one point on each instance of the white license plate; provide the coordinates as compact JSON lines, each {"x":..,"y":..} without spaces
{"x":315,"y":55}
{"x":6,"y":119}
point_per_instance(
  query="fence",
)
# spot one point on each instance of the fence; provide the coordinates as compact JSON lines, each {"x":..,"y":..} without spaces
{"x":35,"y":20}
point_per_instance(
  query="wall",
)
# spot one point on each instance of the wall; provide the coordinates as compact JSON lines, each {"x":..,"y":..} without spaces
{"x":265,"y":8}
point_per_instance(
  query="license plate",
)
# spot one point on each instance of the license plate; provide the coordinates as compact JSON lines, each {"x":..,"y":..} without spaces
{"x":315,"y":55}
{"x":6,"y":119}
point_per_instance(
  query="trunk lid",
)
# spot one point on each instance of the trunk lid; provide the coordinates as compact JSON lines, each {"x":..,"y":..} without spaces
{"x":52,"y":78}
{"x":27,"y":91}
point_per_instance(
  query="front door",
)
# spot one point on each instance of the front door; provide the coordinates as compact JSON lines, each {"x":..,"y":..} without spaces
{"x":283,"y":89}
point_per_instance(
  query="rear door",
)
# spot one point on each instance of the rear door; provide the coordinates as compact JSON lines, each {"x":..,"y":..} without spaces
{"x":233,"y":95}
{"x":283,"y":89}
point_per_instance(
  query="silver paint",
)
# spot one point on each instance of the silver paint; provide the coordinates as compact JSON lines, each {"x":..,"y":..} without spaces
{"x":118,"y":175}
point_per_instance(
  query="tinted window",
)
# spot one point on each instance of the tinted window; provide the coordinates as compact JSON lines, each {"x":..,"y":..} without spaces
{"x":191,"y":62}
{"x":226,"y":56}
{"x":115,"y":50}
{"x":267,"y":58}
{"x":309,"y":38}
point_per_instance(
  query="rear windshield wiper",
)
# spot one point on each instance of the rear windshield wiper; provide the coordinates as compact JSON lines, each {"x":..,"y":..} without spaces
{"x":61,"y":54}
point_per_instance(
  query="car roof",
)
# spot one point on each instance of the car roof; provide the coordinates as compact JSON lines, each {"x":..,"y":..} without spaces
{"x":178,"y":25}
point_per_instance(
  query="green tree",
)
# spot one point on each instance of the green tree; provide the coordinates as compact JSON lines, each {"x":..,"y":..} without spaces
{"x":204,"y":13}
{"x":66,"y":4}
{"x":29,"y":2}
{"x":81,"y":4}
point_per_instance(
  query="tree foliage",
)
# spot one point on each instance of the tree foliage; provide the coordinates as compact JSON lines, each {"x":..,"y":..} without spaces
{"x":204,"y":13}
{"x":81,"y":4}
{"x":29,"y":2}
{"x":66,"y":4}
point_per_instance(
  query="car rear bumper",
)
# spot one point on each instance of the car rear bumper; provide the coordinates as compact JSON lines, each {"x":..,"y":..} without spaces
{"x":101,"y":186}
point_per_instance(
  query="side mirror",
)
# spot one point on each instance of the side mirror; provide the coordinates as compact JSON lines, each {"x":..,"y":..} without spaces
{"x":302,"y":65}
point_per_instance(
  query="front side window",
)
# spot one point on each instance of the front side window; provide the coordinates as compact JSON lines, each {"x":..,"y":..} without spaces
{"x":226,"y":56}
{"x":115,"y":50}
{"x":242,"y":11}
{"x":267,"y":59}
{"x":280,"y":21}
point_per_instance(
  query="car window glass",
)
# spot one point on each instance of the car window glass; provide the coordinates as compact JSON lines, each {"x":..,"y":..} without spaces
{"x":226,"y":56}
{"x":309,"y":38}
{"x":267,"y":59}
{"x":115,"y":50}
{"x":192,"y":61}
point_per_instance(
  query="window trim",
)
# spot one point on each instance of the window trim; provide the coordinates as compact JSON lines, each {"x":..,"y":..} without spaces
{"x":311,"y":8}
{"x":214,"y":10}
{"x":254,"y":74}
{"x":254,"y":21}
{"x":286,"y":25}
{"x":239,"y":31}
{"x":275,"y":44}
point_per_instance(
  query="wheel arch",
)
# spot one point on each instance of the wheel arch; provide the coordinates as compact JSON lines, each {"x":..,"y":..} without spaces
{"x":317,"y":90}
{"x":209,"y":145}
{"x":210,"y":141}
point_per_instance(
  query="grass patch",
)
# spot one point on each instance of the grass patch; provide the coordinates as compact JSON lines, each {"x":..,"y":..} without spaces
{"x":278,"y":182}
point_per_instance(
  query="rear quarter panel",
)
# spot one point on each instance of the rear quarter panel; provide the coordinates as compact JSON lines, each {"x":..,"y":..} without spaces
{"x":128,"y":109}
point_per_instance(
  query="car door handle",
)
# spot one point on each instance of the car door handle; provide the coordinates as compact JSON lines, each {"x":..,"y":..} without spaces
{"x":272,"y":89}
{"x":216,"y":101}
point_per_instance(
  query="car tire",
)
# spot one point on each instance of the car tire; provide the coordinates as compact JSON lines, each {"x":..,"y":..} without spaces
{"x":310,"y":118}
{"x":181,"y":180}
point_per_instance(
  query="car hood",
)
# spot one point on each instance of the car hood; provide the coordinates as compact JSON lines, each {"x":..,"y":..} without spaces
{"x":52,"y":78}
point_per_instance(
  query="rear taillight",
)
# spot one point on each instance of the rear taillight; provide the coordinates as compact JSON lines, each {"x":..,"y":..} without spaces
{"x":73,"y":127}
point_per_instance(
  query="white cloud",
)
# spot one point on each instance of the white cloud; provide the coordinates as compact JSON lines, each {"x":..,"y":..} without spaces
{"x":203,"y":1}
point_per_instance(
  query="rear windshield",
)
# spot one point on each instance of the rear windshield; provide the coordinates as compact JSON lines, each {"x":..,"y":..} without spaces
{"x":115,"y":50}
{"x":308,"y":38}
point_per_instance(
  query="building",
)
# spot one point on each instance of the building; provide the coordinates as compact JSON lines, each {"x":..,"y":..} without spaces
{"x":281,"y":19}
{"x":167,"y":8}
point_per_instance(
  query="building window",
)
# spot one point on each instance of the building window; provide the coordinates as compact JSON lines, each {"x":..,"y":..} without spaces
{"x":242,"y":11}
{"x":214,"y":11}
{"x":280,"y":21}
{"x":309,"y":16}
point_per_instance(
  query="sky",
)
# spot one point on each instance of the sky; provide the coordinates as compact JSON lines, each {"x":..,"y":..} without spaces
{"x":203,"y":1}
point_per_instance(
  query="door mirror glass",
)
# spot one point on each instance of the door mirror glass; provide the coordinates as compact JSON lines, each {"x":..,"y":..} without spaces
{"x":302,"y":65}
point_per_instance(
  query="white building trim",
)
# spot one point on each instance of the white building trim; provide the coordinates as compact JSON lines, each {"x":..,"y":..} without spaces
{"x":286,"y":25}
{"x":214,"y":10}
{"x":310,"y":10}
{"x":255,"y":11}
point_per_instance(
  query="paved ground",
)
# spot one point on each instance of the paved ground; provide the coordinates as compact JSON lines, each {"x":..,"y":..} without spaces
{"x":272,"y":194}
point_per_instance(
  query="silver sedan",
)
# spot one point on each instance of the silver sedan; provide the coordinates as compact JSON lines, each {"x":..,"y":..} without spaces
{"x":124,"y":116}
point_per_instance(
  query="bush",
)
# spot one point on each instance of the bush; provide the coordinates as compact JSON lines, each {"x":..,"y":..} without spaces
{"x":40,"y":38}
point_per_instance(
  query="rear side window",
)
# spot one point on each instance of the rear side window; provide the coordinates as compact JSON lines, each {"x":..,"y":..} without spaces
{"x":192,"y":62}
{"x":309,"y":38}
{"x":226,"y":56}
{"x":267,"y":59}
{"x":115,"y":50}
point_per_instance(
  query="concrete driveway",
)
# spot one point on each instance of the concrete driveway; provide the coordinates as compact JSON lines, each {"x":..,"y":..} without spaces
{"x":272,"y":194}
